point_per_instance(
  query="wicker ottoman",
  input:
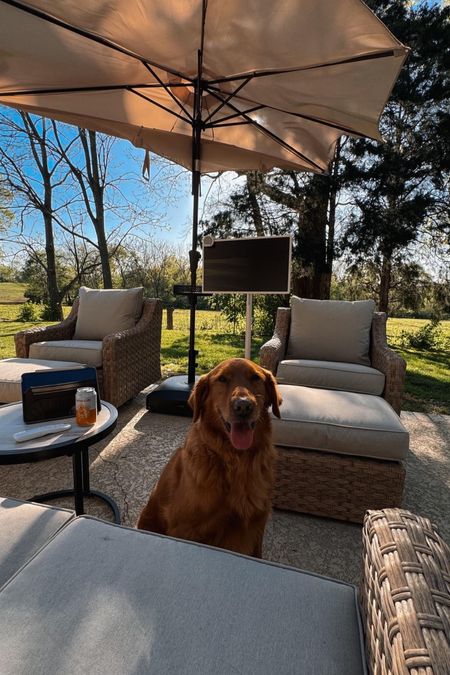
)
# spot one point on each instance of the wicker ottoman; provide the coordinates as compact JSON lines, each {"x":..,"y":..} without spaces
{"x":339,"y":453}
{"x":11,"y":371}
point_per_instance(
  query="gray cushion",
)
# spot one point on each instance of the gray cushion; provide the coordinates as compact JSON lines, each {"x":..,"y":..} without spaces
{"x":88,"y":352}
{"x":331,"y":375}
{"x":11,"y":371}
{"x":330,"y":330}
{"x":339,"y":421}
{"x":24,"y":528}
{"x":106,"y":599}
{"x":106,"y":311}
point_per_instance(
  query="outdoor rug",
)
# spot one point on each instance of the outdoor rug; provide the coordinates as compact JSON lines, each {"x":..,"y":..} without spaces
{"x":127,"y":464}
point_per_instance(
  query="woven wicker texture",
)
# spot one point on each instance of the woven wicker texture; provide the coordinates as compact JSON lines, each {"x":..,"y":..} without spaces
{"x":130,"y":359}
{"x":336,"y":486}
{"x":405,"y":595}
{"x":61,"y":331}
{"x":382,"y":357}
{"x":388,"y":362}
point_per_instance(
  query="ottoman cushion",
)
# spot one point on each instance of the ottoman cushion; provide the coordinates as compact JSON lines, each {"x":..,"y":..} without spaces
{"x":103,"y":598}
{"x":331,"y":375}
{"x":339,"y":421}
{"x":88,"y":352}
{"x":24,"y":528}
{"x":11,"y":371}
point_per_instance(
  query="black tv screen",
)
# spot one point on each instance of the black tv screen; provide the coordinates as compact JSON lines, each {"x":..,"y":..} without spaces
{"x":247,"y":265}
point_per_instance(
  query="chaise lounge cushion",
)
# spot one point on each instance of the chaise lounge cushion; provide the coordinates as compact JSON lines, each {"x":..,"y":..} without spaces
{"x":331,"y":375}
{"x":11,"y":371}
{"x":341,"y":422}
{"x":24,"y":528}
{"x":330,"y":330}
{"x":88,"y":352}
{"x":106,"y":311}
{"x":124,"y":601}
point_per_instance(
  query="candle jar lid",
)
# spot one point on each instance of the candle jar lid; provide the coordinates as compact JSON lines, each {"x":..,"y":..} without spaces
{"x":85,"y":393}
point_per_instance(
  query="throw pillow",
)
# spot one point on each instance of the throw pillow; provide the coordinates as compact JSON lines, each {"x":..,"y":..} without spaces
{"x":105,"y":311}
{"x":330,"y":330}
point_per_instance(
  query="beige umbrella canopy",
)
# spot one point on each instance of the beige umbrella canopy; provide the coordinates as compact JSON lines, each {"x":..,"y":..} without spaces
{"x":210,"y":84}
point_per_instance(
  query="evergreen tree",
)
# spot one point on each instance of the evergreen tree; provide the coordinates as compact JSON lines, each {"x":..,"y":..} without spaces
{"x":398,"y":185}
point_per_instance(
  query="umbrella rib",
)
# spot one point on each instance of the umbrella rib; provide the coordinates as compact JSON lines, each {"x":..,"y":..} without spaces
{"x":230,"y":124}
{"x":90,"y":36}
{"x":159,"y":105}
{"x":311,"y":118}
{"x":227,"y":98}
{"x":283,"y":71}
{"x":211,"y":125}
{"x":271,"y":135}
{"x":168,"y":91}
{"x":77,"y":90}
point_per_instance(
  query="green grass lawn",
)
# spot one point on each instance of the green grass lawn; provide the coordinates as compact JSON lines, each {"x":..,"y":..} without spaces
{"x":12,"y":292}
{"x":428,"y":372}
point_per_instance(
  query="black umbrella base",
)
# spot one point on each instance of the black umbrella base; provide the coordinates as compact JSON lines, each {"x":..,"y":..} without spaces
{"x":171,"y":396}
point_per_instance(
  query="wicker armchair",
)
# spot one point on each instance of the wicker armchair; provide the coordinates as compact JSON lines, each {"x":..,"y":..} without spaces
{"x":384,"y":359}
{"x":405,"y":595}
{"x":130,"y":359}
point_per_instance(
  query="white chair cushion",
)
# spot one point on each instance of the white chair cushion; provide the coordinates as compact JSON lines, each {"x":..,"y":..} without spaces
{"x":331,"y":375}
{"x":88,"y":352}
{"x":339,"y":421}
{"x":330,"y":330}
{"x":24,"y":528}
{"x":11,"y":371}
{"x":106,"y":311}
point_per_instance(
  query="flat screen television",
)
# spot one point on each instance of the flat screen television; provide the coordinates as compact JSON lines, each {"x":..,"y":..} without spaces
{"x":247,"y":265}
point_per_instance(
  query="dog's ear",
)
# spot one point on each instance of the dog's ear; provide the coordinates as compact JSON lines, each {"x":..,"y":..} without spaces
{"x":273,"y":397}
{"x":198,"y":396}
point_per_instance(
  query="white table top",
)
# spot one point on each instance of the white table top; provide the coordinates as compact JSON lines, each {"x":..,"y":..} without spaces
{"x":11,"y":421}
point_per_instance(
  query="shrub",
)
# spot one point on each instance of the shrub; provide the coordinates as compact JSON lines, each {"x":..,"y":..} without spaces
{"x":28,"y":312}
{"x":49,"y":313}
{"x":429,"y":336}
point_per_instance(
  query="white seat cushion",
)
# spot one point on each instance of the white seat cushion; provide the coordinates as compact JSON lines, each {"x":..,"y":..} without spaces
{"x":11,"y":371}
{"x":331,"y":375}
{"x":339,"y":421}
{"x":88,"y":352}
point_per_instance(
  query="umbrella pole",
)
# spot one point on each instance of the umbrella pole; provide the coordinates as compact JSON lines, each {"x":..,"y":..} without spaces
{"x":194,"y":255}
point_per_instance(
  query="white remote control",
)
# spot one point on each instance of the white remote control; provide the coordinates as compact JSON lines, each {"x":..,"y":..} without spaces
{"x":37,"y":432}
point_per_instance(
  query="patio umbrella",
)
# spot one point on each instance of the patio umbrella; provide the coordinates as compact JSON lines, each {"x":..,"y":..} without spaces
{"x":210,"y":84}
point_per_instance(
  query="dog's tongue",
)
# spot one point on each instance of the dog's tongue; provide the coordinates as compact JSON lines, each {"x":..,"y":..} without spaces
{"x":241,"y":435}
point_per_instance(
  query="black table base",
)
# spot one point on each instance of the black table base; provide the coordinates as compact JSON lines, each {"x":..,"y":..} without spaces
{"x":81,"y":487}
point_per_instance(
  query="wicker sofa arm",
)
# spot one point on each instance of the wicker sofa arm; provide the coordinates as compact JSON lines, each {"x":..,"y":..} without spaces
{"x":60,"y":331}
{"x":387,"y":360}
{"x":273,"y":351}
{"x":405,"y":594}
{"x":137,"y":350}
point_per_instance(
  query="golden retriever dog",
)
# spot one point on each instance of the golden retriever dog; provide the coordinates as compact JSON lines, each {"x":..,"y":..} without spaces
{"x":217,"y":488}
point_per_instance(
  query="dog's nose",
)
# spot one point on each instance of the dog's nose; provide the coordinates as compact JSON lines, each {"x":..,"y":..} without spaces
{"x":242,"y":406}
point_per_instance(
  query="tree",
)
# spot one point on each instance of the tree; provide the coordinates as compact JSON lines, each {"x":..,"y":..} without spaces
{"x":35,"y":190}
{"x":155,"y":265}
{"x":398,"y":186}
{"x":91,"y":175}
{"x":70,"y":187}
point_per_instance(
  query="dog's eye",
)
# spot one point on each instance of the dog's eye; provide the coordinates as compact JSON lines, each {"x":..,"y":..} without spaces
{"x":222,"y":378}
{"x":255,"y":377}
